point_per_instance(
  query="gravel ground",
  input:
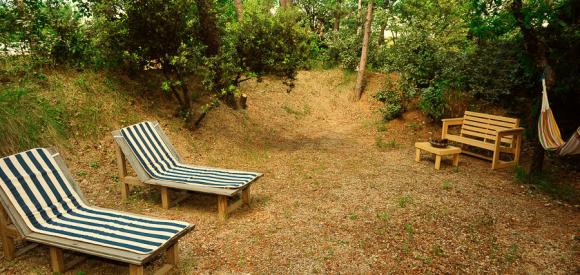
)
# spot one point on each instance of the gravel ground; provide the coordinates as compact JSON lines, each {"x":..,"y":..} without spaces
{"x":341,"y":193}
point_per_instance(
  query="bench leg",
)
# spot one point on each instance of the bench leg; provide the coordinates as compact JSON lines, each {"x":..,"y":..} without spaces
{"x":417,"y":155}
{"x":456,"y":160}
{"x":135,"y":269}
{"x":495,"y":160}
{"x":246,"y":195}
{"x":56,"y":259}
{"x":222,"y":207}
{"x":164,"y":197}
{"x":437,"y":162}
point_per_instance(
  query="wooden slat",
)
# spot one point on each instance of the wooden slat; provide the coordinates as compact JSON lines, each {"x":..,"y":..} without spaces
{"x":233,"y":206}
{"x":12,"y":232}
{"x":25,"y":249}
{"x":166,"y":268}
{"x":487,"y":138}
{"x":476,"y":155}
{"x":472,"y":142}
{"x":494,"y":117}
{"x":74,"y":262}
{"x":196,"y":188}
{"x":486,"y":131}
{"x":492,"y":122}
{"x":474,"y":123}
{"x":426,"y":146}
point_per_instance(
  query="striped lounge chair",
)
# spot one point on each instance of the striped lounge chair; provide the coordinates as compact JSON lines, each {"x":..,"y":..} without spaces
{"x":42,"y":204}
{"x":155,"y":161}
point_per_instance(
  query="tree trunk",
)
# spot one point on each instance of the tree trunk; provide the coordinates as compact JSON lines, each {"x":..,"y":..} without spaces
{"x":364,"y":53}
{"x":209,"y":34}
{"x":536,"y":48}
{"x":337,"y":15}
{"x":382,"y":35}
{"x":285,"y":3}
{"x":239,"y":9}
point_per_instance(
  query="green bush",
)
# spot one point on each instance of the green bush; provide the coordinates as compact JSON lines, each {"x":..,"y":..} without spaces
{"x":393,"y":101}
{"x":344,"y":48}
{"x":52,"y":31}
{"x":432,"y":101}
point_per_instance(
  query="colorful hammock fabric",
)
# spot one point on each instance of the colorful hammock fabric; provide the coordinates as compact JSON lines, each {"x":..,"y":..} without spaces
{"x":549,"y":133}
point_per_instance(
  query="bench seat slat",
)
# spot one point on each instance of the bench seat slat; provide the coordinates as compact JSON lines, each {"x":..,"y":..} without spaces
{"x":472,"y":142}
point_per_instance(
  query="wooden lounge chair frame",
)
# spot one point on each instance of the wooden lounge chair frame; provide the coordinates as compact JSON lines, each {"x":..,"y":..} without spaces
{"x":13,"y":227}
{"x":239,"y":196}
{"x":495,"y":133}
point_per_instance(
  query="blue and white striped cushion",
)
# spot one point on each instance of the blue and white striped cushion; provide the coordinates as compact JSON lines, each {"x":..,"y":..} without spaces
{"x":46,"y":201}
{"x":160,"y":163}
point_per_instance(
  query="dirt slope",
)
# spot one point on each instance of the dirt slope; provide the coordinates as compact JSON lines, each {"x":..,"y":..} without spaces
{"x":341,"y":193}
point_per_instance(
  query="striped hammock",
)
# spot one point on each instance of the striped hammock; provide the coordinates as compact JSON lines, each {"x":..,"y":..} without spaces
{"x":549,"y":133}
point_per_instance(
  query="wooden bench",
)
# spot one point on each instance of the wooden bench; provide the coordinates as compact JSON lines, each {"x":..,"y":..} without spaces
{"x":490,"y":132}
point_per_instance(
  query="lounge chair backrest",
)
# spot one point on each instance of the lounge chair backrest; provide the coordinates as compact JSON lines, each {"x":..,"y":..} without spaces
{"x":150,"y":149}
{"x":36,"y":187}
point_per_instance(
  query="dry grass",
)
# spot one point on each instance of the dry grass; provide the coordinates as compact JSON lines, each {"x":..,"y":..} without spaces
{"x":332,"y":200}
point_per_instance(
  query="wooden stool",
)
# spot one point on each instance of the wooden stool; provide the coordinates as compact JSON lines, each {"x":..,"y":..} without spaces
{"x":449,"y":150}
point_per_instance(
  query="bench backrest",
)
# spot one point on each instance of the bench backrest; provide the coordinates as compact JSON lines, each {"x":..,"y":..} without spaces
{"x":484,"y":127}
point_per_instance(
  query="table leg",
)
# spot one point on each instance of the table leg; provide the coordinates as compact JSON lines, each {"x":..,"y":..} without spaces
{"x":456,"y":160}
{"x":437,"y":162}
{"x":417,"y":154}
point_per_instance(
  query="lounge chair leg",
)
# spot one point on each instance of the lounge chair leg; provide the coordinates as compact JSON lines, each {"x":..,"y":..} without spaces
{"x":7,"y":242}
{"x":122,"y":170}
{"x":124,"y":191}
{"x":246,"y":195}
{"x":164,"y":197}
{"x":172,"y":254}
{"x":135,"y":269}
{"x":222,"y":207}
{"x":56,"y":259}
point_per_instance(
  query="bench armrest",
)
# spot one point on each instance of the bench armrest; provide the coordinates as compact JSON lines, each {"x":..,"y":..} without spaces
{"x":510,"y":132}
{"x":455,"y":121}
{"x":450,"y":122}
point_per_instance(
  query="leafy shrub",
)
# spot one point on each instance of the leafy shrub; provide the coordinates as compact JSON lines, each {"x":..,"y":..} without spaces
{"x":344,"y":48}
{"x":393,"y":103}
{"x":52,"y":32}
{"x":275,"y":44}
{"x":432,"y":101}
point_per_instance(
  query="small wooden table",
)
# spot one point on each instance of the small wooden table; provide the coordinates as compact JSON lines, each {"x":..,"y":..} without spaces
{"x":449,"y":150}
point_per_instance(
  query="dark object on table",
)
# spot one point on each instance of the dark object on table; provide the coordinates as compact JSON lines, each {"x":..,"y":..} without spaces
{"x":439,"y":143}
